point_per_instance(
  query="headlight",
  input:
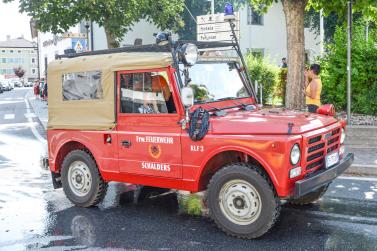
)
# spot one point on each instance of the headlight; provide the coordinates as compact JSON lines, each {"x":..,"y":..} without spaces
{"x":342,"y":136}
{"x":295,"y":154}
{"x":188,"y":54}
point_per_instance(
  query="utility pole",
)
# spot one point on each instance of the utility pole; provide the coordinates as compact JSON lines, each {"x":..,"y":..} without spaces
{"x":321,"y":33}
{"x":349,"y":35}
{"x":212,"y":7}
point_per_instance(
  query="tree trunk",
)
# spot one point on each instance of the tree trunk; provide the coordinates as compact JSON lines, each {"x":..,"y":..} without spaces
{"x":294,"y":11}
{"x":110,"y":38}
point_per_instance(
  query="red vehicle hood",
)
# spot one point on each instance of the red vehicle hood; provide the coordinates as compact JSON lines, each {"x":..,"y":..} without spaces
{"x":268,"y":121}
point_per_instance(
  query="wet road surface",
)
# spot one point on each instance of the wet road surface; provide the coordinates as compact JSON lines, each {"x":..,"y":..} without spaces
{"x":34,"y":216}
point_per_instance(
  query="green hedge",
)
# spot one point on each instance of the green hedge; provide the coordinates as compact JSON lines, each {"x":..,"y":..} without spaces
{"x":261,"y":70}
{"x":364,"y":71}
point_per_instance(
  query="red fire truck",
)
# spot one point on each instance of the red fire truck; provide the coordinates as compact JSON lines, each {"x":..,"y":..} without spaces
{"x":180,"y":115}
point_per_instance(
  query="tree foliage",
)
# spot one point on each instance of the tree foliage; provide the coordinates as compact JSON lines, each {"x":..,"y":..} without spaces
{"x":197,"y":8}
{"x":116,"y":16}
{"x":294,"y":14}
{"x":364,"y":71}
{"x":19,"y":72}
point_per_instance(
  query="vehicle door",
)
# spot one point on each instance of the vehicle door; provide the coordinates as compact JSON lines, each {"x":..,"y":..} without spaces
{"x":148,"y":129}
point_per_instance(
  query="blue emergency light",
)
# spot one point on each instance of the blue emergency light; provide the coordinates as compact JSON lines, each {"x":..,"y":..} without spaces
{"x":229,"y":12}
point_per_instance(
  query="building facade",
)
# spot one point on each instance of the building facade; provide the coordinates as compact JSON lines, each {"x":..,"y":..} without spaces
{"x":16,"y":53}
{"x":266,"y":34}
{"x":50,"y":45}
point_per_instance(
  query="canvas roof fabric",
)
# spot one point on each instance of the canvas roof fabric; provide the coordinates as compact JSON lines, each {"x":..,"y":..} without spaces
{"x":94,"y":114}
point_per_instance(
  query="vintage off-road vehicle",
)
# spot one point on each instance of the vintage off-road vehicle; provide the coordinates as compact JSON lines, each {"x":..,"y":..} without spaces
{"x":181,"y":116}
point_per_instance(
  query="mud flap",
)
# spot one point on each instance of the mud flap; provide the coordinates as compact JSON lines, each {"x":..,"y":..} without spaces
{"x":56,"y":180}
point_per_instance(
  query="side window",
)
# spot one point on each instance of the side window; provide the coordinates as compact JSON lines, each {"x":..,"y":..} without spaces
{"x":82,"y":85}
{"x":146,"y":92}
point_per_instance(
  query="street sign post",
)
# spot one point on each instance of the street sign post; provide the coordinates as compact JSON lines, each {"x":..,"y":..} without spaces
{"x":214,"y":28}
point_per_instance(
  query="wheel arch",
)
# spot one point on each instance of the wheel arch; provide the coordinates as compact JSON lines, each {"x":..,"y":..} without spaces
{"x":68,"y":146}
{"x":223,"y":156}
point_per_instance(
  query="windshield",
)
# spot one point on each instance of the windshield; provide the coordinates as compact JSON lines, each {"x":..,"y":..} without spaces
{"x":214,"y":81}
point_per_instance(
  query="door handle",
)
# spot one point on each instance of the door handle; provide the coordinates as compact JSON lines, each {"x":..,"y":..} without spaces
{"x":126,"y":143}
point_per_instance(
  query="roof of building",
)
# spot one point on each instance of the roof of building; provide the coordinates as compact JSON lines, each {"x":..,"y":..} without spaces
{"x":17,"y":43}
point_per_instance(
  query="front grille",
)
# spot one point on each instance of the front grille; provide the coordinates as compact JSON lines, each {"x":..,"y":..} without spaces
{"x":316,"y":147}
{"x":333,"y":140}
{"x":319,"y":146}
{"x":332,"y":148}
{"x":314,"y":156}
{"x":314,"y":164}
{"x":315,"y":139}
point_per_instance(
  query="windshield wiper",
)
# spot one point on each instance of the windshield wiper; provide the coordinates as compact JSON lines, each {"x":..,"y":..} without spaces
{"x":219,"y":111}
{"x":246,"y":107}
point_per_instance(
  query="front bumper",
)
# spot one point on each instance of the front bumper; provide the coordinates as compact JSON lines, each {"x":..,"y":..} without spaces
{"x":322,"y":177}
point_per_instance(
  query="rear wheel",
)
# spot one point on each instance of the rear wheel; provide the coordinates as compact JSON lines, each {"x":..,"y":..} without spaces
{"x":242,"y":201}
{"x":81,"y":180}
{"x":310,"y":197}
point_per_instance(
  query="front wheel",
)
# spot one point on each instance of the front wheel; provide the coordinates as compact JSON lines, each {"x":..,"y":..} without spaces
{"x":81,"y":180}
{"x":242,"y":201}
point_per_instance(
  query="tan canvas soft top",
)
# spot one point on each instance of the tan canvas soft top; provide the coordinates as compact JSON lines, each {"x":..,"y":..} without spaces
{"x":95,"y":114}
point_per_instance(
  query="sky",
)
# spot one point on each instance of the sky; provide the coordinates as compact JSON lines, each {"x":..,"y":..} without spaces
{"x":12,"y":22}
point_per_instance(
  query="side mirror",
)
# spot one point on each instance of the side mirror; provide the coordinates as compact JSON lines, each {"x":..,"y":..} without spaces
{"x":187,"y":94}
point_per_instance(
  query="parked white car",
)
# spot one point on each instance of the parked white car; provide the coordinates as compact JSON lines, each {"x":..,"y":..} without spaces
{"x":16,"y":83}
{"x":7,"y":85}
{"x":28,"y":84}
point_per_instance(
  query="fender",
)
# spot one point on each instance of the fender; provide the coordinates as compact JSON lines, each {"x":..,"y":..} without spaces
{"x":244,"y":150}
{"x":63,"y":139}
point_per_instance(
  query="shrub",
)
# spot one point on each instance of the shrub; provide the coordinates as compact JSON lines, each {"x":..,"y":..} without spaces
{"x":261,"y":70}
{"x":364,"y":71}
{"x":281,"y":84}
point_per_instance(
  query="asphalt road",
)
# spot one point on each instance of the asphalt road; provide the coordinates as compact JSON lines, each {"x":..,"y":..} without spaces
{"x":34,"y":216}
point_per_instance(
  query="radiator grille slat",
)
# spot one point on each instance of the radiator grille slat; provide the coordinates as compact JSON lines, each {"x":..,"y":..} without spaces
{"x":321,"y":145}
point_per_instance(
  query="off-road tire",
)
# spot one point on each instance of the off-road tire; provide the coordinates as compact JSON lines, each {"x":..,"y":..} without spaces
{"x":98,"y":188}
{"x":310,"y":197}
{"x":270,"y":203}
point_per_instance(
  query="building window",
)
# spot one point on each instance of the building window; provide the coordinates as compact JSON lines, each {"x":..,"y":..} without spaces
{"x":2,"y":51}
{"x":146,"y":93}
{"x":3,"y":60}
{"x":33,"y":71}
{"x":253,"y":17}
{"x":19,"y":51}
{"x":82,"y":85}
{"x":11,"y":51}
{"x":33,"y":60}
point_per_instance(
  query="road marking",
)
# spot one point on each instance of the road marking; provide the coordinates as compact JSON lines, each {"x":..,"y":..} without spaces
{"x":348,"y":218}
{"x":30,"y":115}
{"x":357,"y":178}
{"x":9,"y":116}
{"x":33,"y":130}
{"x":13,"y":125}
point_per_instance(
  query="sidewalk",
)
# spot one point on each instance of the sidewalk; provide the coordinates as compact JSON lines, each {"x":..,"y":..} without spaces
{"x":365,"y":163}
{"x":39,"y":107}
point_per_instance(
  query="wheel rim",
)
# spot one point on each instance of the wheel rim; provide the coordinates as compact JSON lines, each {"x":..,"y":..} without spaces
{"x":79,"y":178}
{"x":240,"y":202}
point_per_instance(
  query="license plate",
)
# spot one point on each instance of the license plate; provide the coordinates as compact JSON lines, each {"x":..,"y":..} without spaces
{"x":332,"y":159}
